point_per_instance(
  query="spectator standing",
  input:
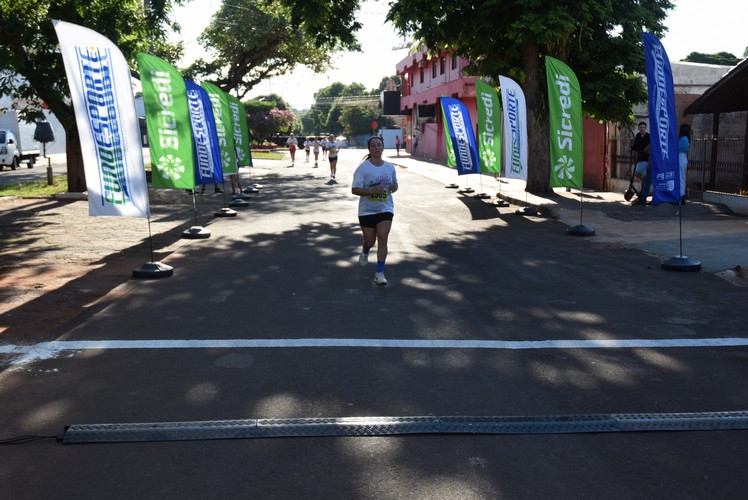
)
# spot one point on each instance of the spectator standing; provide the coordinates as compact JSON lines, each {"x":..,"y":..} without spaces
{"x":642,"y":168}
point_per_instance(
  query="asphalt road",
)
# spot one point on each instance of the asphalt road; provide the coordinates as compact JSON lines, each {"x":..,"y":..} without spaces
{"x":285,"y":270}
{"x":24,"y":174}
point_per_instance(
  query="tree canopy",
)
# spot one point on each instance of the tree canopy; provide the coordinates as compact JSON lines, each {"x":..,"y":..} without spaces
{"x":249,"y":41}
{"x":600,"y":40}
{"x":31,"y":67}
{"x":722,"y":58}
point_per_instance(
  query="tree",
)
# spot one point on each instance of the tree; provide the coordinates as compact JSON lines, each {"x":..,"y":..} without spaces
{"x":722,"y":58}
{"x":32,"y":68}
{"x":250,"y":41}
{"x":356,"y":119}
{"x":265,"y":124}
{"x":600,"y":40}
{"x":330,"y":101}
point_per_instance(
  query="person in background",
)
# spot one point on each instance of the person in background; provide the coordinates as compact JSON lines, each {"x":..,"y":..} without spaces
{"x":414,"y":144}
{"x":374,"y":182}
{"x":642,"y":169}
{"x":307,"y":148}
{"x":684,"y":144}
{"x":315,"y":150}
{"x":397,"y":144}
{"x":292,"y":142}
{"x":332,"y":149}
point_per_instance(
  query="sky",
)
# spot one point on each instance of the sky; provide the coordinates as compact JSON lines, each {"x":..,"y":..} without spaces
{"x":693,"y":26}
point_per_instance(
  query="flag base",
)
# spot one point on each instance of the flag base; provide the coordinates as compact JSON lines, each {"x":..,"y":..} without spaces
{"x":681,"y":263}
{"x":196,"y":233}
{"x":466,"y":190}
{"x":451,"y":186}
{"x":236,"y":202}
{"x":580,"y":230}
{"x":251,"y":189}
{"x":500,"y":203}
{"x":153,"y":270}
{"x":481,"y":196}
{"x":527,"y":211}
{"x":225,"y":212}
{"x":240,"y":196}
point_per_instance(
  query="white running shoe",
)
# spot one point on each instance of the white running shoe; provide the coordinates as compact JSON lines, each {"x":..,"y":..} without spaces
{"x":379,"y":279}
{"x":363,"y":259}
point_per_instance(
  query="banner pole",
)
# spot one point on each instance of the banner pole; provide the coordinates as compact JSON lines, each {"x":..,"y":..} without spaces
{"x":580,"y":229}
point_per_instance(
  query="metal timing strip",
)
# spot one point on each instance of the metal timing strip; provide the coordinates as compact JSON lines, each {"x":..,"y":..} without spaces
{"x":390,"y":426}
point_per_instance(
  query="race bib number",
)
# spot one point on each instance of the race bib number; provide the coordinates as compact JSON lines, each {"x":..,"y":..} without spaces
{"x":379,"y":197}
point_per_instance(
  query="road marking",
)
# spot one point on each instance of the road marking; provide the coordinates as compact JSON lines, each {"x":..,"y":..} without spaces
{"x":48,"y":350}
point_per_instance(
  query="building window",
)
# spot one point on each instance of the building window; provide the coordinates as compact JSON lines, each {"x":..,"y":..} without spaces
{"x":421,"y":74}
{"x":454,"y":61}
{"x":442,"y":64}
{"x":433,"y":69}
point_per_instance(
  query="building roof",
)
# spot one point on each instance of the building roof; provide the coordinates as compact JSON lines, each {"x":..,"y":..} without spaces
{"x":729,"y":94}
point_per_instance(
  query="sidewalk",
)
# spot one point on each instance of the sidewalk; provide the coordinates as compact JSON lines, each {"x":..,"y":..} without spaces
{"x":710,"y":233}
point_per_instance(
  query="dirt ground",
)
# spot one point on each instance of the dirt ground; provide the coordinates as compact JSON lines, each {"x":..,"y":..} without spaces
{"x":56,"y":260}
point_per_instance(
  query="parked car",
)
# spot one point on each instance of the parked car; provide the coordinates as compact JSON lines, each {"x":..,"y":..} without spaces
{"x":16,"y":142}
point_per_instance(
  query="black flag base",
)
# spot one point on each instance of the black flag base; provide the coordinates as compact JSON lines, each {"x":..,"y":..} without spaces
{"x":466,"y":190}
{"x":580,"y":230}
{"x":225,"y":212}
{"x":196,"y":233}
{"x":527,"y":211}
{"x":481,"y":196}
{"x":240,"y":196}
{"x":500,"y":203}
{"x":238,"y":202}
{"x":153,"y":270}
{"x":451,"y":186}
{"x":252,"y":189}
{"x":681,"y":263}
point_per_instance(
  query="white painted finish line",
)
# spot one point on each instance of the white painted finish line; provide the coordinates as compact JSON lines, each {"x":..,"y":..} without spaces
{"x":47,"y":350}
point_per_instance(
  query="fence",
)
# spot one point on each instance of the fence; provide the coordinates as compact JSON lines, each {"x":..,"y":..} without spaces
{"x":717,"y":164}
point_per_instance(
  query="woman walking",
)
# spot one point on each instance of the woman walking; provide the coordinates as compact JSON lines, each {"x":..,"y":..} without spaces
{"x":374,"y":182}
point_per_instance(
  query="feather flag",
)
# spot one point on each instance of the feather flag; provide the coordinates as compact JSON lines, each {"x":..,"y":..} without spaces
{"x":168,"y":119}
{"x":663,"y":122}
{"x":489,"y":127}
{"x":515,"y":128}
{"x":460,"y":129}
{"x":101,"y":91}
{"x":565,"y":115}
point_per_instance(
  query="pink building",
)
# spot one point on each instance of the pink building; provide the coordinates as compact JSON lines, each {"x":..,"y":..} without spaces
{"x":425,"y":78}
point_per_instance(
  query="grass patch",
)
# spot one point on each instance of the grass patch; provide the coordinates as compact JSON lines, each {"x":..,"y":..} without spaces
{"x":267,"y":155}
{"x":37,"y":188}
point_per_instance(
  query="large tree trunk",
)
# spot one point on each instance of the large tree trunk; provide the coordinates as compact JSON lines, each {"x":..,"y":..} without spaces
{"x":538,"y":126}
{"x":76,"y":172}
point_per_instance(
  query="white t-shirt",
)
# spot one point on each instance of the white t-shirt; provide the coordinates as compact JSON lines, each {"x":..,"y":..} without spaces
{"x":333,"y":148}
{"x":367,"y":175}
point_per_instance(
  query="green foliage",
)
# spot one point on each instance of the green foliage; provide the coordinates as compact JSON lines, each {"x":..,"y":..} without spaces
{"x":31,"y":67}
{"x":330,"y":101}
{"x":356,"y":119}
{"x":265,"y":103}
{"x":330,"y":23}
{"x":35,"y":188}
{"x":250,"y":41}
{"x":264,"y":124}
{"x":601,"y":40}
{"x":384,"y":82}
{"x":722,"y":58}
